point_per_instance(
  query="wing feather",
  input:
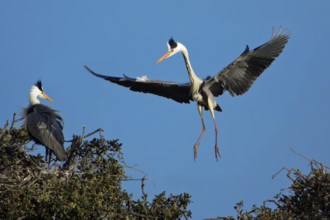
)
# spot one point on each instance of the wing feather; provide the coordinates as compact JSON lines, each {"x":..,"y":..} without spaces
{"x":179,"y":92}
{"x":45,"y":126}
{"x":239,"y":75}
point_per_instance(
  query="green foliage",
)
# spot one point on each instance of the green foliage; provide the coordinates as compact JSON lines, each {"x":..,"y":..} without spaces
{"x":308,"y":198}
{"x":311,"y":193}
{"x":87,"y":186}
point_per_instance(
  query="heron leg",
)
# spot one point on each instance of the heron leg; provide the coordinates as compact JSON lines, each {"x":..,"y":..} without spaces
{"x":48,"y":156}
{"x":196,"y":145}
{"x":216,"y":149}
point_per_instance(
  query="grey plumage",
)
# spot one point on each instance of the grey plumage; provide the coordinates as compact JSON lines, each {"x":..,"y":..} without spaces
{"x":44,"y":124}
{"x":179,"y":92}
{"x":236,"y":78}
{"x":45,"y":127}
{"x":239,"y":75}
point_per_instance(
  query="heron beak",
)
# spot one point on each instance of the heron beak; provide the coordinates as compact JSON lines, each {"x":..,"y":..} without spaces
{"x":45,"y":96}
{"x":164,"y":57}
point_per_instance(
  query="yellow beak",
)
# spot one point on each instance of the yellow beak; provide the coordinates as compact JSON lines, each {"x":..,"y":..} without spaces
{"x":164,"y":57}
{"x":45,"y":96}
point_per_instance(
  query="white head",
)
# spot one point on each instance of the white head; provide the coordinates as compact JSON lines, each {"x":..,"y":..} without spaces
{"x":174,"y":47}
{"x":38,"y":92}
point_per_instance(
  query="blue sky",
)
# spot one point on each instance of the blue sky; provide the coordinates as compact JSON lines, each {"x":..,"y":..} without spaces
{"x":288,"y":106}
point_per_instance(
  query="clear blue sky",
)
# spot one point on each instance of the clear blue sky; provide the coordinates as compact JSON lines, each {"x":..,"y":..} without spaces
{"x":288,"y":106}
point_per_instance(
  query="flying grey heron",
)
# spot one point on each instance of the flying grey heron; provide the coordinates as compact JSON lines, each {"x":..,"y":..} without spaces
{"x":44,"y":124}
{"x":236,"y":78}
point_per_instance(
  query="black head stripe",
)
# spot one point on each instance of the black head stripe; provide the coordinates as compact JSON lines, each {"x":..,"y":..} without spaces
{"x":39,"y":85}
{"x":172,"y":43}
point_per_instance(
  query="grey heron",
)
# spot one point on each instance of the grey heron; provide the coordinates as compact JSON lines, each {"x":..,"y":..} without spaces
{"x":236,"y":78}
{"x":44,"y":124}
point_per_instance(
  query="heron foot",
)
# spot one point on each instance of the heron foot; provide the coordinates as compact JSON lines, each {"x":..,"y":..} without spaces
{"x":195,"y":150}
{"x":217,"y":152}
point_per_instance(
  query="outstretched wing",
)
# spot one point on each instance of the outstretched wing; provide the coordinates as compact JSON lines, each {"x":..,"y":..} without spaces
{"x":177,"y":91}
{"x":239,"y":75}
{"x":45,"y":126}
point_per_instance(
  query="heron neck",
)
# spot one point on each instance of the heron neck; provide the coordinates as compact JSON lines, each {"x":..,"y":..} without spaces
{"x":33,"y":97}
{"x":190,"y":70}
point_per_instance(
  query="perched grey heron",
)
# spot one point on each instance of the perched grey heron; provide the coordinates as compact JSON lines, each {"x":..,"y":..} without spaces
{"x":44,"y":124}
{"x":236,"y":78}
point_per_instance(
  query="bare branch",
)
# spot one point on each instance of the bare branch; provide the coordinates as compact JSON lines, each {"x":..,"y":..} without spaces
{"x":140,"y":215}
{"x":278,"y":172}
{"x":299,"y":154}
{"x":92,"y":133}
{"x":5,"y":129}
{"x":271,"y":201}
{"x":77,"y":142}
{"x":15,"y":120}
{"x":6,"y":125}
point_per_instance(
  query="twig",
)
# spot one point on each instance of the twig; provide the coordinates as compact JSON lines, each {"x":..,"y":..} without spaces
{"x":140,"y":215}
{"x":311,"y":161}
{"x":6,"y":125}
{"x":278,"y":172}
{"x":296,"y":172}
{"x":319,"y":165}
{"x":21,"y":218}
{"x":13,"y":121}
{"x":5,"y":129}
{"x":299,"y":154}
{"x":83,"y":136}
{"x":92,"y":133}
{"x":144,"y":195}
{"x":272,"y":201}
{"x":76,"y":143}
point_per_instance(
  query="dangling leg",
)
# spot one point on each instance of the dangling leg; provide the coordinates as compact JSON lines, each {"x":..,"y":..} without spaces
{"x":216,"y":149}
{"x":217,"y":152}
{"x":200,"y":110}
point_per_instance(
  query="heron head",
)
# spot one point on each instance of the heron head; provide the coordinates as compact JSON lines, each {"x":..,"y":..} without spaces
{"x":36,"y":92}
{"x":173,"y":48}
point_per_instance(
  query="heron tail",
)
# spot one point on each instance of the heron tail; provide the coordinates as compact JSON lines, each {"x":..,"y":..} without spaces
{"x":218,"y":108}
